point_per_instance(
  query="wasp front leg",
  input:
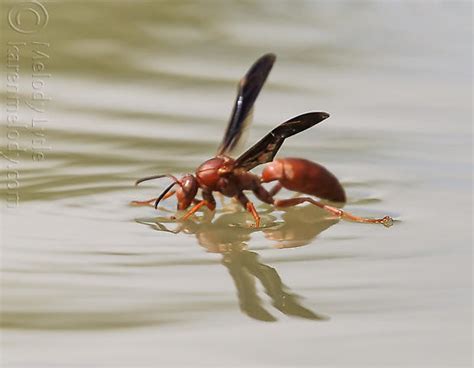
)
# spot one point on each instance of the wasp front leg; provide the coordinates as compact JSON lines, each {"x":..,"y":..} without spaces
{"x":208,"y":200}
{"x":151,"y":202}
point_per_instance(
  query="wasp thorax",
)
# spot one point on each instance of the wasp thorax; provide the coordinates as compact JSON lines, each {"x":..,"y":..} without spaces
{"x":209,"y":173}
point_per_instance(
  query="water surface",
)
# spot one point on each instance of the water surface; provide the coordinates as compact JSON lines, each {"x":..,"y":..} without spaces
{"x":139,"y":88}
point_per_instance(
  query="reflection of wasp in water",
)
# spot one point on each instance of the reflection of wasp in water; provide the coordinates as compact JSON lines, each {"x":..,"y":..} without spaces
{"x":225,"y":237}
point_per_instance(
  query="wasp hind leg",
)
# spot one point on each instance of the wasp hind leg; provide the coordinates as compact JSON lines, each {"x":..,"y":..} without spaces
{"x":386,"y":221}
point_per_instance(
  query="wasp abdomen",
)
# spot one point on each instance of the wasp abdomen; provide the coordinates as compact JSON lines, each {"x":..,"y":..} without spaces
{"x":306,"y":177}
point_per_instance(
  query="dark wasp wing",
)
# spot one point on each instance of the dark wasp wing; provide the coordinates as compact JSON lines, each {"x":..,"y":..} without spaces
{"x":265,"y":149}
{"x":248,"y":89}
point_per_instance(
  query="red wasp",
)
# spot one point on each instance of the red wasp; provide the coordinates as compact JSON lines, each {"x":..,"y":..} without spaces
{"x":232,"y":177}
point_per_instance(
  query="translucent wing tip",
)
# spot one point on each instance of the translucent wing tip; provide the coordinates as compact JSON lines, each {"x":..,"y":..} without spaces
{"x":249,"y":88}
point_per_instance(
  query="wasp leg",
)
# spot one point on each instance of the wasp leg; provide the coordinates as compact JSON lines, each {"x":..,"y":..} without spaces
{"x":151,"y":202}
{"x":242,"y":198}
{"x":267,"y":197}
{"x":194,"y":209}
{"x":386,"y":221}
{"x":251,"y":208}
{"x":209,"y":198}
{"x":208,"y":201}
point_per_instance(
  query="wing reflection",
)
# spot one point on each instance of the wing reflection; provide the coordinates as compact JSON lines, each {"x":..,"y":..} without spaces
{"x":229,"y":234}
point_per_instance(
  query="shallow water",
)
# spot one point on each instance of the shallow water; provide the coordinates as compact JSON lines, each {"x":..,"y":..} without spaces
{"x":139,"y":88}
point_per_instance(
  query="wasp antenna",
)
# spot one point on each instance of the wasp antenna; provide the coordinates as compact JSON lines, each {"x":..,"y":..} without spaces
{"x":156,"y":177}
{"x":164,"y":193}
